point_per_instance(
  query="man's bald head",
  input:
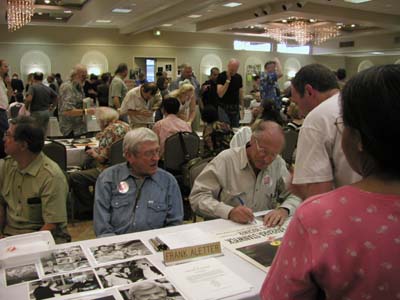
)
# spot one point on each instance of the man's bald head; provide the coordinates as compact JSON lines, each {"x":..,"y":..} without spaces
{"x":266,"y":143}
{"x":233,"y":66}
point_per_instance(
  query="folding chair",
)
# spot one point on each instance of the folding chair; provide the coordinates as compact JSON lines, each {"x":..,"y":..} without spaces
{"x":116,"y":153}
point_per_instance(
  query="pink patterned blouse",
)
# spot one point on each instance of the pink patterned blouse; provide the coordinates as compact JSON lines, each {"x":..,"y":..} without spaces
{"x":344,"y":245}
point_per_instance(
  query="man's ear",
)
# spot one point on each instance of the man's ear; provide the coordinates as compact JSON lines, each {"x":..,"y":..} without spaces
{"x":23,"y":145}
{"x":308,"y":90}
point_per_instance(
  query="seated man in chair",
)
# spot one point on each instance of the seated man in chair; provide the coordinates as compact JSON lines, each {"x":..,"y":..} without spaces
{"x":136,"y":195}
{"x":245,"y":179}
{"x":33,"y":189}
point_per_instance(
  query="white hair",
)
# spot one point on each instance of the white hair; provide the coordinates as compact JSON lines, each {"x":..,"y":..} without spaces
{"x":106,"y":114}
{"x":135,"y":137}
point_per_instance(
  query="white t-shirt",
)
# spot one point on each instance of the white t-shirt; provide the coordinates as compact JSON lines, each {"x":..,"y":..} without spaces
{"x":3,"y":95}
{"x":320,"y":157}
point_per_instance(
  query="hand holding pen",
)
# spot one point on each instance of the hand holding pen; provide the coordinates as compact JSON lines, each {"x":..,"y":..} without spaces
{"x":241,"y":213}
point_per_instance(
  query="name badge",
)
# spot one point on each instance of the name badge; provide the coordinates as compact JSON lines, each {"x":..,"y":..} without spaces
{"x":267,"y":180}
{"x":123,"y":187}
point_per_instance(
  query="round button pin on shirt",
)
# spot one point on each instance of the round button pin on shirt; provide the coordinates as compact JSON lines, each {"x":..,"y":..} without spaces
{"x":123,"y":187}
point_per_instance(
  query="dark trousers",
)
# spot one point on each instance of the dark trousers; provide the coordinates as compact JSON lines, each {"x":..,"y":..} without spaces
{"x":81,"y":183}
{"x":229,"y":114}
{"x":3,"y":129}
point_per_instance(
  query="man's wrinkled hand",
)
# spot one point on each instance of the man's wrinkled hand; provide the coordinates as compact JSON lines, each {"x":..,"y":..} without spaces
{"x":241,"y":214}
{"x":276,"y":217}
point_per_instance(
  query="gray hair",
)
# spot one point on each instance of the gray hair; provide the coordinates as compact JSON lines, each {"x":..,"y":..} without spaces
{"x":135,"y":137}
{"x":77,"y":69}
{"x":260,"y":126}
{"x":106,"y":114}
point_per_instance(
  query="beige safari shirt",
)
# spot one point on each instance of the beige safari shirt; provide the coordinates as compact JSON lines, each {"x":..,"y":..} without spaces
{"x":134,"y":101}
{"x":34,"y":196}
{"x":229,"y":176}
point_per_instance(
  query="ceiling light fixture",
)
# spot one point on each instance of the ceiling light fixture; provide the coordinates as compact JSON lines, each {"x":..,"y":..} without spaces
{"x":232,"y":4}
{"x":47,"y":1}
{"x":19,"y":13}
{"x":67,"y":11}
{"x":194,"y":16}
{"x":302,"y":32}
{"x":166,"y":25}
{"x":59,"y":18}
{"x":122,"y":10}
{"x":377,"y":52}
{"x":357,"y":1}
{"x":103,"y":21}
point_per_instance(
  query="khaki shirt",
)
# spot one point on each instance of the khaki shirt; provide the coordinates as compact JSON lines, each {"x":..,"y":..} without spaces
{"x":229,"y":176}
{"x":134,"y":101}
{"x":34,"y":196}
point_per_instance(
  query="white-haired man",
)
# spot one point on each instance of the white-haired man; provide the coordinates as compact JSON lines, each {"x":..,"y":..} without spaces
{"x":136,"y":195}
{"x":250,"y":178}
{"x":70,"y":110}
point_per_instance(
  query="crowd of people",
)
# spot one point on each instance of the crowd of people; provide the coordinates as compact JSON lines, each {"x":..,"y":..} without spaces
{"x":343,"y":191}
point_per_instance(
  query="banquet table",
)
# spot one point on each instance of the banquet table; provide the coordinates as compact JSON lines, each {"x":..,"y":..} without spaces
{"x":247,"y":271}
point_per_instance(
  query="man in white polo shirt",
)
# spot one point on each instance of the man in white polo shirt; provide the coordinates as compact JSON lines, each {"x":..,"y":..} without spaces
{"x":320,"y":163}
{"x":5,"y":94}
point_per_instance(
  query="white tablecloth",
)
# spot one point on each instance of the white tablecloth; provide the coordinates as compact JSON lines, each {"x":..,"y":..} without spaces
{"x":244,"y":269}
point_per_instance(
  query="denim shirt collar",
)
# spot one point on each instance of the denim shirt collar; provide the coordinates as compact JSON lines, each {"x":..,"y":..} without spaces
{"x":126,"y":172}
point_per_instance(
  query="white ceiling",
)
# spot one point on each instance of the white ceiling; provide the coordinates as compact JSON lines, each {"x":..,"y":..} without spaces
{"x":376,"y":16}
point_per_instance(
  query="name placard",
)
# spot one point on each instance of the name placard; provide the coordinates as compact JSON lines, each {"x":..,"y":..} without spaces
{"x":179,"y":255}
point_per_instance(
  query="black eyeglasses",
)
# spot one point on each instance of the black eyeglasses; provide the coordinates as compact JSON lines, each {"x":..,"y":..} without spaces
{"x":339,"y":124}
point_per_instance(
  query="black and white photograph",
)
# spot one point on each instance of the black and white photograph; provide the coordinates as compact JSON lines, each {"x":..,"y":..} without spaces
{"x":127,"y":272}
{"x":20,"y":274}
{"x":101,"y":295}
{"x":158,"y":289}
{"x":119,"y":251}
{"x":61,"y":285}
{"x":64,"y":260}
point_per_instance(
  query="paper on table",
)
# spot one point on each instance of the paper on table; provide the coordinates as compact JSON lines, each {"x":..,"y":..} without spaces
{"x":209,"y":275}
{"x":186,"y":238}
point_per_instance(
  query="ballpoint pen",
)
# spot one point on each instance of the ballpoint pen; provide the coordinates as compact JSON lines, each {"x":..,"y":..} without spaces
{"x":242,"y":204}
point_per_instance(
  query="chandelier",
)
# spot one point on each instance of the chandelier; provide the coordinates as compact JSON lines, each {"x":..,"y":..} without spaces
{"x":303,"y":32}
{"x":19,"y":13}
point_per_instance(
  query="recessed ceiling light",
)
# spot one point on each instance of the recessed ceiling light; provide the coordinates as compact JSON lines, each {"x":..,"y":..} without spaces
{"x":103,"y":21}
{"x":122,"y":10}
{"x":313,"y":20}
{"x":284,"y":21}
{"x":251,"y":26}
{"x":377,"y":52}
{"x":59,"y":18}
{"x":40,"y":13}
{"x":67,"y":11}
{"x":353,"y":25}
{"x":195,"y":16}
{"x":357,"y":1}
{"x":166,"y":25}
{"x":47,"y":1}
{"x":232,"y":4}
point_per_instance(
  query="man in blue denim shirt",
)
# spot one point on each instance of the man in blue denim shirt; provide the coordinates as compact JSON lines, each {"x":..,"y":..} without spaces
{"x":137,"y":195}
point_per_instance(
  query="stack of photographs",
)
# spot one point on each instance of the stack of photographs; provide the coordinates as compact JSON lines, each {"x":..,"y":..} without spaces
{"x":115,"y":271}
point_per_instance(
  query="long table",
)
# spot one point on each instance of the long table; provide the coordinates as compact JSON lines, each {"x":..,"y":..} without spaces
{"x":244,"y":269}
